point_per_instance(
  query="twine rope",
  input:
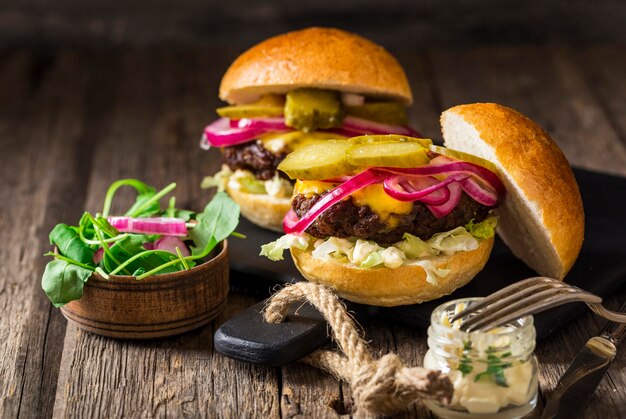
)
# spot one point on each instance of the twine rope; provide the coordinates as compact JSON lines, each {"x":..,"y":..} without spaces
{"x":383,"y":386}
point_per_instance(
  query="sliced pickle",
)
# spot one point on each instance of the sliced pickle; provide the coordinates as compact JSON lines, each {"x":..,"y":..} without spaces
{"x":390,"y":138}
{"x":392,"y":113}
{"x":269,"y":105}
{"x":399,"y":154}
{"x":288,"y":141}
{"x":459,"y":155}
{"x":312,"y":109}
{"x":317,"y":161}
{"x":249,"y":111}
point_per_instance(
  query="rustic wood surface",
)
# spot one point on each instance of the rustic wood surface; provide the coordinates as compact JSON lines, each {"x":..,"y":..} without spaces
{"x":72,"y":121}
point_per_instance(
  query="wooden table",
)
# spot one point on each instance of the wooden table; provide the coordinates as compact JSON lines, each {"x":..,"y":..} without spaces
{"x":72,"y":121}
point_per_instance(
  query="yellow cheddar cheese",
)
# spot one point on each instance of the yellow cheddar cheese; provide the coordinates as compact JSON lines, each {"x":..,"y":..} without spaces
{"x":373,"y":196}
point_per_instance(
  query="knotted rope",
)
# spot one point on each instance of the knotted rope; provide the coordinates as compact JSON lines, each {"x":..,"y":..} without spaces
{"x":383,"y":386}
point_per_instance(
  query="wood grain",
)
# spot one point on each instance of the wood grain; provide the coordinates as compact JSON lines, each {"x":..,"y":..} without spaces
{"x":77,"y":120}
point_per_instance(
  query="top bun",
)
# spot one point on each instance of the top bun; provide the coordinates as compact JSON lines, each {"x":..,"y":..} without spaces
{"x":541,"y":219}
{"x":322,"y":58}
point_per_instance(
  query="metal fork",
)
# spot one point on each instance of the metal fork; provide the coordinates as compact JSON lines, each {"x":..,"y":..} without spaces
{"x":527,"y":297}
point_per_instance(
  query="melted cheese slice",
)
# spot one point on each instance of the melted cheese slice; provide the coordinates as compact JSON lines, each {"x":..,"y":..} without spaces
{"x":373,"y":196}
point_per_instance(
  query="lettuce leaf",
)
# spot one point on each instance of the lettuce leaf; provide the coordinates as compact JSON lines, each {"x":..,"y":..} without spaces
{"x":483,"y":230}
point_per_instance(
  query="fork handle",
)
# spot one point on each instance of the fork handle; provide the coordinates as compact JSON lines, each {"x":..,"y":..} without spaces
{"x":614,"y":331}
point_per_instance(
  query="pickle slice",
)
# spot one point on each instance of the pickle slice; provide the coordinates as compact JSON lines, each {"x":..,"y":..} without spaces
{"x":399,"y":154}
{"x":459,"y":155}
{"x":312,"y":109}
{"x":392,"y":113}
{"x":390,"y":138}
{"x":249,"y":111}
{"x":317,"y":161}
{"x":269,"y":105}
{"x":288,"y":141}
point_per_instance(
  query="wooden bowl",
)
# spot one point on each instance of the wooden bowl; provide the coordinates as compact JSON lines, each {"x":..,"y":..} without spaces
{"x":158,"y":306}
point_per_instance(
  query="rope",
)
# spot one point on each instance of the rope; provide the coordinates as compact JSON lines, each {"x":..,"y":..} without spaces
{"x":383,"y":386}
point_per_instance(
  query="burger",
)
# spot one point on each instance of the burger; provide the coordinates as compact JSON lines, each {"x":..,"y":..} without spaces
{"x":390,"y":220}
{"x":303,"y":87}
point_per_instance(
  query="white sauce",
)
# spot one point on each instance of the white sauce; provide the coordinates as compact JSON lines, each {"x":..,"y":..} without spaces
{"x":485,"y":397}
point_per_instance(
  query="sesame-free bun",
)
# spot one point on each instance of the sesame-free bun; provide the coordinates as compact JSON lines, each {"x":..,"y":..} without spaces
{"x":322,"y":58}
{"x":542,"y":218}
{"x":393,"y":286}
{"x":263,"y":210}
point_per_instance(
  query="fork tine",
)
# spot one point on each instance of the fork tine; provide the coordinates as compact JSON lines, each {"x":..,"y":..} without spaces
{"x":538,"y":306}
{"x":513,"y":289}
{"x":516,"y":302}
{"x":512,"y":303}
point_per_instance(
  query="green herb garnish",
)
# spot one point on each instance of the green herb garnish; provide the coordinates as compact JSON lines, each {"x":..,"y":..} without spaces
{"x":465,"y":365}
{"x":495,"y":368}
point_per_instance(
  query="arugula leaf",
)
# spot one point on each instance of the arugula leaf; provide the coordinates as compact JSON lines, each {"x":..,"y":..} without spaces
{"x":218,"y":220}
{"x":64,"y":282}
{"x":132,"y":245}
{"x":66,"y":238}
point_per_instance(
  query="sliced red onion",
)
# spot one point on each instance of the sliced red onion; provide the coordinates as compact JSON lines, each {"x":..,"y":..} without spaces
{"x":98,"y":255}
{"x":261,"y":124}
{"x":221,"y":134}
{"x":439,"y":211}
{"x":367,"y":177}
{"x":156,"y":225}
{"x":481,"y":193}
{"x":225,"y":132}
{"x":169,"y":244}
{"x":421,"y":188}
{"x":453,"y":168}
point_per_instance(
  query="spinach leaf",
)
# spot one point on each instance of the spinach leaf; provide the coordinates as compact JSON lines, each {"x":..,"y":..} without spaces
{"x":184,"y":214}
{"x":132,"y":245}
{"x":219,"y":218}
{"x":86,"y":228}
{"x":63,"y":282}
{"x":69,"y":243}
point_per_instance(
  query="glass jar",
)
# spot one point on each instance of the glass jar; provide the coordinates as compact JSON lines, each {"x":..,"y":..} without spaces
{"x":494,"y":373}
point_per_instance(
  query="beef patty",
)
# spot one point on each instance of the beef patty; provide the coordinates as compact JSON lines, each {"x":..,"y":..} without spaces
{"x":254,"y":157}
{"x":345,"y":219}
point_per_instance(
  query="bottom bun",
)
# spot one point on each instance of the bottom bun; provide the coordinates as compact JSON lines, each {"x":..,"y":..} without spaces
{"x":393,"y":287}
{"x":263,"y":210}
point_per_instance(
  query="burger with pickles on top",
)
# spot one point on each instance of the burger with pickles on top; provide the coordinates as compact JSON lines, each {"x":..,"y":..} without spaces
{"x":300,"y":88}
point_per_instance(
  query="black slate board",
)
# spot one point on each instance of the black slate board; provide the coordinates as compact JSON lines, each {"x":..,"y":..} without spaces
{"x":600,"y":268}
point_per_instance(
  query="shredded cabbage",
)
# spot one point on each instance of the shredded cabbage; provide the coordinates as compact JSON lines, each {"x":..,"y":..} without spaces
{"x":410,"y":251}
{"x":274,"y":250}
{"x":245,"y":181}
{"x":218,"y":180}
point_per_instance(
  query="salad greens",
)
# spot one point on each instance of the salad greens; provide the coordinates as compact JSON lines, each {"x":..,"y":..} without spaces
{"x":94,"y":245}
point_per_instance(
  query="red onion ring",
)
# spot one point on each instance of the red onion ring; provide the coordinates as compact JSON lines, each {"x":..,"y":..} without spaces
{"x":155,"y":225}
{"x":421,"y":188}
{"x":439,"y":211}
{"x":221,"y":134}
